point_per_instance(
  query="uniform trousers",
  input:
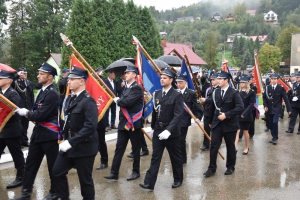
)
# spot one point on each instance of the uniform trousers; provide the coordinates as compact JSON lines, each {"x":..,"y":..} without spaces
{"x":14,"y":147}
{"x":252,"y":124}
{"x":112,"y":108}
{"x":122,"y":141}
{"x":216,"y":141}
{"x":293,"y":118}
{"x":173,"y":147}
{"x":102,"y":145}
{"x":84,"y":167}
{"x":25,"y":124}
{"x":36,"y":153}
{"x":207,"y":129}
{"x":184,"y":131}
{"x":273,"y":125}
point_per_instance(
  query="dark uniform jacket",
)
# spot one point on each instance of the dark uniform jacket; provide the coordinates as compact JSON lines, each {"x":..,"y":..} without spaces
{"x":62,"y":86}
{"x":208,"y":99}
{"x":45,"y":109}
{"x":205,"y":84}
{"x":132,"y":101}
{"x":13,"y":127}
{"x":81,"y":126}
{"x":114,"y":90}
{"x":190,"y":99}
{"x":25,"y":90}
{"x":294,"y":91}
{"x":248,"y":101}
{"x":273,"y":99}
{"x":170,"y":113}
{"x":231,"y":105}
{"x":119,"y":88}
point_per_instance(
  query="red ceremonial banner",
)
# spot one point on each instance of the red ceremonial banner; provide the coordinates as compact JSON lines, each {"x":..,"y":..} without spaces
{"x":6,"y":110}
{"x":101,"y":96}
{"x":257,"y":80}
{"x":284,"y":85}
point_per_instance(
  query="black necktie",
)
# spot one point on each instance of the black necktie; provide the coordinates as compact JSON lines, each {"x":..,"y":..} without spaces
{"x":40,"y":93}
{"x":273,"y":87}
{"x":222,"y":93}
{"x":73,"y":96}
{"x":164,"y":94}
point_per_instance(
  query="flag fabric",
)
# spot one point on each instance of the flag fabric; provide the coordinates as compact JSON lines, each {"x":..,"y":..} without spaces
{"x":93,"y":87}
{"x":151,"y":82}
{"x":6,"y":110}
{"x":257,"y":80}
{"x":185,"y":71}
{"x":284,"y":84}
{"x":224,"y":64}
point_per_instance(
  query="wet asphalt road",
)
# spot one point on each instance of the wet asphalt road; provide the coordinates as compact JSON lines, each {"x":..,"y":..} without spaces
{"x":267,"y":172}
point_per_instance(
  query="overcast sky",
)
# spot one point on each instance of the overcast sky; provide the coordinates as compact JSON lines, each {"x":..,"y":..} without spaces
{"x":163,"y":4}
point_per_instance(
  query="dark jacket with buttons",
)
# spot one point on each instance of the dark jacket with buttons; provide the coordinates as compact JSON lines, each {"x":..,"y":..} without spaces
{"x":273,"y":99}
{"x":81,"y":125}
{"x":248,"y":101}
{"x":45,"y":109}
{"x":13,"y":127}
{"x":25,"y":90}
{"x":190,"y":99}
{"x":171,"y":112}
{"x":132,"y":101}
{"x":294,"y":91}
{"x":231,"y":104}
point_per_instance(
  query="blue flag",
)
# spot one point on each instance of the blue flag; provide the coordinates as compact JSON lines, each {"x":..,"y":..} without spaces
{"x":185,"y":71}
{"x":151,"y":82}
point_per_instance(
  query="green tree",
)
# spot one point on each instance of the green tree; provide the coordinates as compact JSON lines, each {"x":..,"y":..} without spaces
{"x":210,"y":55}
{"x":269,"y":57}
{"x":235,"y":47}
{"x":284,"y":41}
{"x":239,"y":11}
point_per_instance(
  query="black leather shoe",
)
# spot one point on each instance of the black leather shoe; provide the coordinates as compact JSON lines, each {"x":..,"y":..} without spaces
{"x":289,"y":131}
{"x":298,"y":133}
{"x":271,"y":141}
{"x":204,"y":148}
{"x":133,"y":176}
{"x":26,"y":193}
{"x":16,"y":183}
{"x":130,"y":155}
{"x":102,"y":166}
{"x":245,"y":153}
{"x":144,"y":153}
{"x":275,"y":141}
{"x":51,"y":196}
{"x":209,"y":173}
{"x":146,"y":186}
{"x":112,"y":176}
{"x":229,"y":172}
{"x":176,"y":184}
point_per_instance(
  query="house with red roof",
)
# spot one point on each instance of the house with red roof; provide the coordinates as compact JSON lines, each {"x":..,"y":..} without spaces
{"x":261,"y":38}
{"x":181,"y":49}
{"x":251,"y":12}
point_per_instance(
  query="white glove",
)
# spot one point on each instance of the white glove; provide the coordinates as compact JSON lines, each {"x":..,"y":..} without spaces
{"x":116,"y":99}
{"x":295,"y":99}
{"x":65,"y":146}
{"x":164,"y":135}
{"x":151,"y":133}
{"x":21,"y":111}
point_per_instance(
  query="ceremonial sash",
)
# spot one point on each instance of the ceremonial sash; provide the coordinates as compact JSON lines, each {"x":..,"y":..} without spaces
{"x":52,"y":127}
{"x":131,"y":120}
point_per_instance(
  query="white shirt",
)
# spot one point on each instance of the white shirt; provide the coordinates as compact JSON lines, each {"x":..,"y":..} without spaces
{"x":273,"y":86}
{"x":3,"y":91}
{"x":225,"y":89}
{"x":78,"y":93}
{"x":112,"y":83}
{"x":182,"y":91}
{"x":44,"y":87}
{"x":166,"y":91}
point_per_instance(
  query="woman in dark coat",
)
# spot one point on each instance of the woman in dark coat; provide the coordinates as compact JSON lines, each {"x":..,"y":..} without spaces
{"x":248,"y":96}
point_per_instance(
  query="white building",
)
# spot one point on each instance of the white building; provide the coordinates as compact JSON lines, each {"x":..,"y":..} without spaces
{"x":271,"y":17}
{"x":295,"y":53}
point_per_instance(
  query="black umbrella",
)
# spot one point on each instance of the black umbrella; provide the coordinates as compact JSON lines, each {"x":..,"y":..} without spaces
{"x":132,"y":60}
{"x":171,"y":60}
{"x":161,"y":64}
{"x":118,"y":67}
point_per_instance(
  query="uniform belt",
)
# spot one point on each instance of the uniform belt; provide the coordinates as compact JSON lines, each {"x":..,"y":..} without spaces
{"x":161,"y":124}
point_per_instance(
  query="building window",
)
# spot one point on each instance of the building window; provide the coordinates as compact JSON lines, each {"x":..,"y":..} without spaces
{"x":296,"y":70}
